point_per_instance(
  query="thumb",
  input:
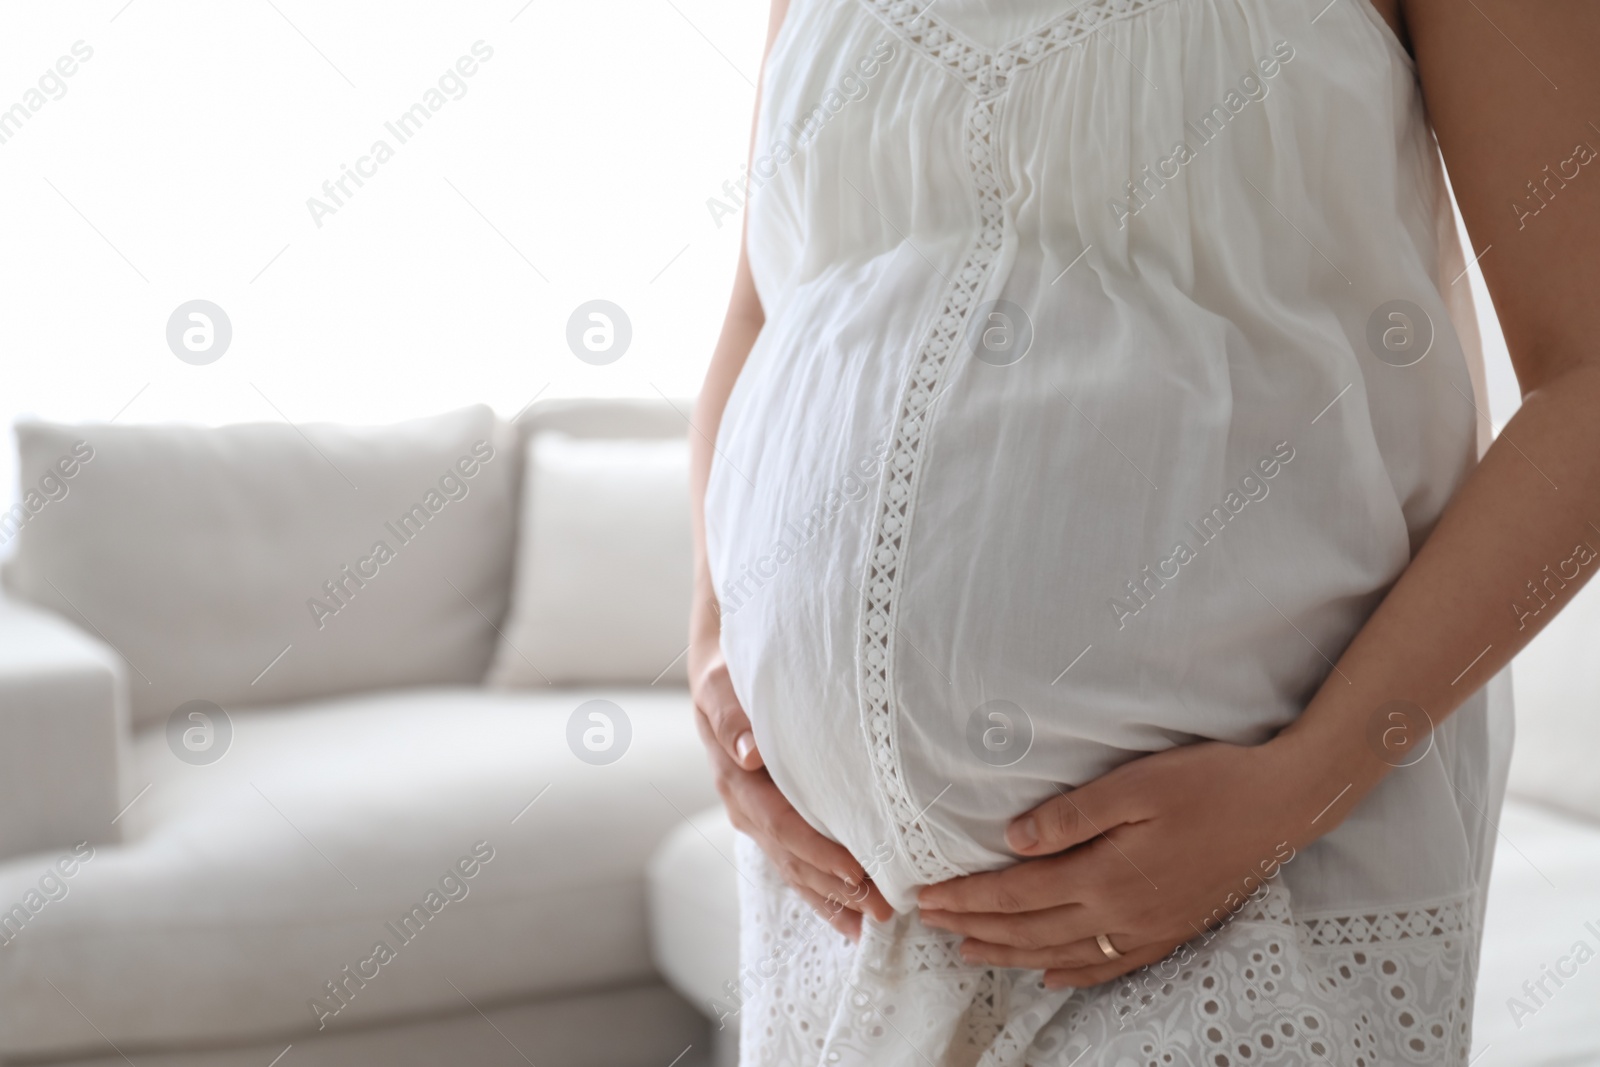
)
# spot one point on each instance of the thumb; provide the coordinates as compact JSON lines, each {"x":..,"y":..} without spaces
{"x":728,"y":722}
{"x":1068,"y":819}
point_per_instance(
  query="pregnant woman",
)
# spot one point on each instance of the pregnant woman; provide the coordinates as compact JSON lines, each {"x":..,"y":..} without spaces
{"x":1105,"y":573}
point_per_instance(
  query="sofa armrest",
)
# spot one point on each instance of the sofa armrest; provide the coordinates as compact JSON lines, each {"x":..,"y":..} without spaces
{"x":63,"y":733}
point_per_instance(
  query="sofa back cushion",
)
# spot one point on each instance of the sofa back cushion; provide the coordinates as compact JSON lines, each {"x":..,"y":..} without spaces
{"x":604,"y":564}
{"x":630,"y":418}
{"x":267,"y":562}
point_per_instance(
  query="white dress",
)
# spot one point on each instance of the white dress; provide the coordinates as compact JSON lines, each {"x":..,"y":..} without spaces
{"x":1113,"y":368}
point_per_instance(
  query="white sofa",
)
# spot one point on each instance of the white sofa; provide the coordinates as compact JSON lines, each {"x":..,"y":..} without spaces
{"x":368,"y":765}
{"x":215,"y":901}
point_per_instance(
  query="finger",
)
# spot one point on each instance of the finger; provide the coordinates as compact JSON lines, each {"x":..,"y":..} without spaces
{"x":844,"y":920}
{"x":1076,"y":956}
{"x":715,"y":700}
{"x":1069,"y":818}
{"x":777,"y":819}
{"x":1029,"y":930}
{"x":1099,"y":974}
{"x":757,"y":807}
{"x":836,"y":872}
{"x":1026,"y":887}
{"x":875,"y":905}
{"x":803,"y":875}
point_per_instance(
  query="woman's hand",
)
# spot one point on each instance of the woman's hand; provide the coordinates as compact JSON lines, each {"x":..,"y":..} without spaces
{"x":1158,"y":851}
{"x":822,"y":871}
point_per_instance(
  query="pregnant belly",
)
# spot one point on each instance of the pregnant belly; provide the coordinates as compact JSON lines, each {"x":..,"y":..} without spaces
{"x":914,"y":746}
{"x":919,"y":676}
{"x":922,"y":788}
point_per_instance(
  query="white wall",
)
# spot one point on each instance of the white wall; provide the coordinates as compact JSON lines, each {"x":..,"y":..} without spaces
{"x":192,"y":138}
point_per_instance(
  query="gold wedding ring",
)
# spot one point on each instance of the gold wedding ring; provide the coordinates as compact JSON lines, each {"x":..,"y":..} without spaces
{"x":1110,"y":950}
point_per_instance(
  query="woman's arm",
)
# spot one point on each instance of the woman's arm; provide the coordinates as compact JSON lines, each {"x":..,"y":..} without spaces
{"x":740,"y":328}
{"x":823,"y":871}
{"x":1512,"y":549}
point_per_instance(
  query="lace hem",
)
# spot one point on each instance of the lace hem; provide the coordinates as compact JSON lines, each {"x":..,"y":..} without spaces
{"x":1269,"y":987}
{"x":1449,"y":918}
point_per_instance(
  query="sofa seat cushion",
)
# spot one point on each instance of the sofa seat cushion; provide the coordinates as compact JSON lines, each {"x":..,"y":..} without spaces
{"x":247,"y":884}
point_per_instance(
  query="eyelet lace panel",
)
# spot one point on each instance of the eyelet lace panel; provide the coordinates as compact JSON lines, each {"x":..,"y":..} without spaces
{"x":1269,"y":988}
{"x":986,"y":72}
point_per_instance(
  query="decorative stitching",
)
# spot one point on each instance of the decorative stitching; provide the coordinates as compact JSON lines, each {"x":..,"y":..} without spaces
{"x":898,"y":496}
{"x":989,"y":73}
{"x":1449,"y":919}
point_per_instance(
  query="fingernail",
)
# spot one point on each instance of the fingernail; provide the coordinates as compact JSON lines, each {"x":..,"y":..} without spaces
{"x":1024,"y":833}
{"x":745,"y":745}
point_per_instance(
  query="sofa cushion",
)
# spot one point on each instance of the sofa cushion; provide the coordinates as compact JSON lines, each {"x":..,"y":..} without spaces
{"x":249,"y":883}
{"x":603,"y":566}
{"x":694,"y":914}
{"x":633,"y":418}
{"x":243,"y":565}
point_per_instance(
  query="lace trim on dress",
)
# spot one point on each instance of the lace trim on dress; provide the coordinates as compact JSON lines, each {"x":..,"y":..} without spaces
{"x":1448,"y":919}
{"x":989,"y":73}
{"x":899,"y":493}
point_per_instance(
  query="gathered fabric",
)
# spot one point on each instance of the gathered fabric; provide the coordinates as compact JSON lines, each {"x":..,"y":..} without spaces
{"x":1112,"y":371}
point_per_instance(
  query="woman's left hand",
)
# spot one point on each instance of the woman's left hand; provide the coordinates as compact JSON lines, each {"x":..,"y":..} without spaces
{"x":1157,"y":851}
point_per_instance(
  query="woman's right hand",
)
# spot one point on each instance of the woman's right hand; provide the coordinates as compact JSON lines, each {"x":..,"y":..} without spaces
{"x":822,"y":871}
